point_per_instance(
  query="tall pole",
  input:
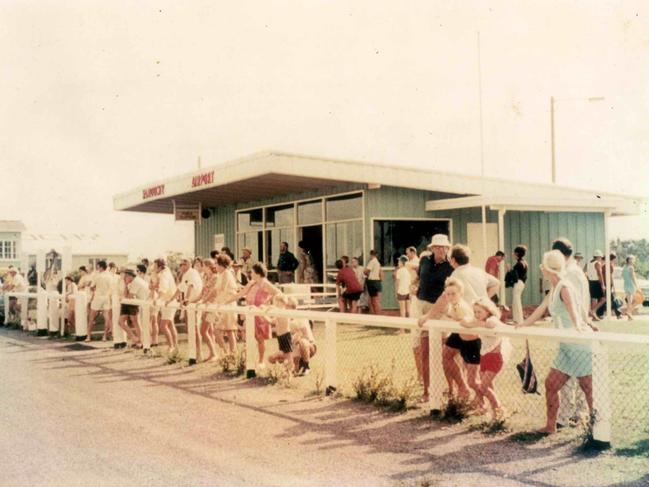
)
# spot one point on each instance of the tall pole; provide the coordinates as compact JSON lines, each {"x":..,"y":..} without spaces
{"x":483,"y":208}
{"x":554,"y":161}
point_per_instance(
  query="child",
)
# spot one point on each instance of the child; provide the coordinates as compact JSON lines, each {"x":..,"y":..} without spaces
{"x":402,"y":287}
{"x":303,"y":344}
{"x":494,"y":351}
{"x":283,"y":333}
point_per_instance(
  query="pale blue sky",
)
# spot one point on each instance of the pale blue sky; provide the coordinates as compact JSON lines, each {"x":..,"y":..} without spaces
{"x":100,"y":97}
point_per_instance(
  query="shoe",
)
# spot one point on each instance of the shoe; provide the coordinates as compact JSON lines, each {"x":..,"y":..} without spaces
{"x":261,"y":366}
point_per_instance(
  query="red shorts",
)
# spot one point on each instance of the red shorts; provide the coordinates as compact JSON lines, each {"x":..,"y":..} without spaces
{"x":491,"y":362}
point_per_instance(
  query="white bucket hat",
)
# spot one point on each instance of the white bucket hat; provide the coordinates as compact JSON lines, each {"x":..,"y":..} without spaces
{"x":439,"y":240}
{"x":598,"y":253}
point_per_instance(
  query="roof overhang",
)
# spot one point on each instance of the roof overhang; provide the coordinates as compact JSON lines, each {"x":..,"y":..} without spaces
{"x":595,"y":204}
{"x":269,"y":174}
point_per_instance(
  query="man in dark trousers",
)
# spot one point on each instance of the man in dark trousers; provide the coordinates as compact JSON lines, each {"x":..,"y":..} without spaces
{"x":286,"y":264}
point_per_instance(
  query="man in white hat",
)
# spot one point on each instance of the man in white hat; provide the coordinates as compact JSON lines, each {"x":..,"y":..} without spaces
{"x":596,"y":282}
{"x":433,"y":271}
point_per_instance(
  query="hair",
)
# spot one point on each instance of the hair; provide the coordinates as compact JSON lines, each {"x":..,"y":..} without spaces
{"x":301,"y":244}
{"x":214,"y":253}
{"x":197,"y":259}
{"x":373,"y":253}
{"x":358,"y":259}
{"x":284,"y":243}
{"x":141,"y":268}
{"x":630,"y":259}
{"x":224,"y":260}
{"x":228,"y":252}
{"x":489,"y":305}
{"x":247,"y":249}
{"x":563,"y":245}
{"x":260,"y":269}
{"x":69,"y":278}
{"x":520,"y":251}
{"x":102,"y":264}
{"x":339,"y":264}
{"x":461,"y":254}
{"x":403,"y":259}
{"x":500,"y":253}
{"x":554,"y":262}
{"x":411,"y":249}
{"x":145,"y":261}
{"x":454,"y":281}
{"x":83,"y":268}
{"x":613,"y":256}
{"x":129,"y":272}
{"x":111,"y":265}
{"x":160,"y":263}
{"x":345,"y":259}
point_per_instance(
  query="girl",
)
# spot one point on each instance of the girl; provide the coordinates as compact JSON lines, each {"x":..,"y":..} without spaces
{"x":572,"y":360}
{"x":208,"y":296}
{"x":630,"y":285}
{"x":493,"y":354}
{"x":69,"y":290}
{"x":283,"y":333}
{"x":402,"y":286}
{"x":226,"y":290}
{"x":521,"y":272}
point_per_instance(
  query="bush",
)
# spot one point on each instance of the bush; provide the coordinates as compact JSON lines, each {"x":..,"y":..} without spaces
{"x":376,"y":387}
{"x":233,"y":364}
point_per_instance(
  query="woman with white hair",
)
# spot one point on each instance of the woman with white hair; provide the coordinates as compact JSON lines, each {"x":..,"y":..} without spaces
{"x":630,"y":285}
{"x":572,"y":360}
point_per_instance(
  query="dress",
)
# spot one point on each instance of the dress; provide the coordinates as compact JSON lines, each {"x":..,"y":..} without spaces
{"x":257,"y":296}
{"x":226,"y":289}
{"x":572,"y":359}
{"x":629,"y":286}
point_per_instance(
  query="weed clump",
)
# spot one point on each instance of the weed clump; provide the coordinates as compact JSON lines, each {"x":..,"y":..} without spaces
{"x":233,"y":364}
{"x":379,"y":388}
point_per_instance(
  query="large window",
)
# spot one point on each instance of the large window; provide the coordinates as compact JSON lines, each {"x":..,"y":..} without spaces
{"x":7,"y":249}
{"x":393,"y":237}
{"x":344,"y":238}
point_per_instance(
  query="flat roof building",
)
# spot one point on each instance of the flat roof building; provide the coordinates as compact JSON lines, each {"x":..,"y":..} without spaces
{"x":341,"y":207}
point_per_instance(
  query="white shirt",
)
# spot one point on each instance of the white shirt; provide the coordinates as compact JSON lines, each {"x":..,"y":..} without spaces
{"x":19,"y":284}
{"x":103,"y":283}
{"x":576,"y":277}
{"x":301,"y":328}
{"x":403,"y":280}
{"x":591,"y":271}
{"x":191,"y":278}
{"x":166,"y":284}
{"x":375,"y":269}
{"x":139,"y":288}
{"x":117,"y":285}
{"x":475,"y":280}
{"x":412,"y":265}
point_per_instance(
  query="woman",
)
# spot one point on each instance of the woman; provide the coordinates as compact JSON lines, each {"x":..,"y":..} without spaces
{"x":226,"y":290}
{"x":572,"y":360}
{"x":258,"y":292}
{"x":208,"y":296}
{"x":630,"y":285}
{"x":520,"y":267}
{"x":69,"y":290}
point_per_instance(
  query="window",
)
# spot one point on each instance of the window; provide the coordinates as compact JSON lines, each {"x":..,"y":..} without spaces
{"x":250,"y":220}
{"x":393,"y":237}
{"x":253,"y":241}
{"x":344,"y":239}
{"x":279,"y":216}
{"x":273,"y":239}
{"x":7,"y":249}
{"x":309,"y":213}
{"x":346,"y":207}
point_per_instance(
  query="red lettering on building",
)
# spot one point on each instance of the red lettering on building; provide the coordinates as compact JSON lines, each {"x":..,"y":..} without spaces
{"x":201,"y":179}
{"x":153,"y":191}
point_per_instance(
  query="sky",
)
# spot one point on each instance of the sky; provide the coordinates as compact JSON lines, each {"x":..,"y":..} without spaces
{"x":101,"y":97}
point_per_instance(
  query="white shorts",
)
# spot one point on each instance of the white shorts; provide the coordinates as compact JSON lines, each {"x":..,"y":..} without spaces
{"x":168,"y":314}
{"x":100,"y":303}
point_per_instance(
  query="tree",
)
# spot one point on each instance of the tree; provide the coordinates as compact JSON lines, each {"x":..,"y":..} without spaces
{"x":637,"y":248}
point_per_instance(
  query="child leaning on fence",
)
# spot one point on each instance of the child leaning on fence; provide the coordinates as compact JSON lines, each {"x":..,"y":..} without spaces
{"x":304,"y":346}
{"x":283,"y":332}
{"x":494,"y":352}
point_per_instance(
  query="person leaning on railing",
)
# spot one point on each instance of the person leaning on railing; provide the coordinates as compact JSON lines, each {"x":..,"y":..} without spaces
{"x":572,"y":360}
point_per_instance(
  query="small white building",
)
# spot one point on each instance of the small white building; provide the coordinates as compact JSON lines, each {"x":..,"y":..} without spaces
{"x":11,"y":244}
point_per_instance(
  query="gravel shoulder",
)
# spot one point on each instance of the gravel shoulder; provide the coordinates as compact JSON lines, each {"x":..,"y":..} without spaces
{"x":106,"y":417}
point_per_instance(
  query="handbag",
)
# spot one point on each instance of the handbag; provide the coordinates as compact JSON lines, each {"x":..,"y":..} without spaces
{"x":526,"y":371}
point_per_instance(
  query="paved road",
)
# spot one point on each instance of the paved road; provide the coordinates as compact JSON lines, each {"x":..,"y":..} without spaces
{"x":104,"y":417}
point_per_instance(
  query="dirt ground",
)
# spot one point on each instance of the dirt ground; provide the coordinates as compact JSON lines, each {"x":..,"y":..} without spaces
{"x":73,"y":415}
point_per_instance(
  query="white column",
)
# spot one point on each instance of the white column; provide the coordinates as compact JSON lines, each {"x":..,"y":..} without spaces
{"x":436,"y":378}
{"x":251,"y":345}
{"x":6,"y":300}
{"x":41,"y":312}
{"x":24,"y":312}
{"x":53,"y":312}
{"x":501,"y":246}
{"x":601,"y":396}
{"x":331,"y":358}
{"x":484,"y":234}
{"x":145,"y":325}
{"x":119,"y":335}
{"x":80,"y":315}
{"x":190,"y":311}
{"x":607,"y":260}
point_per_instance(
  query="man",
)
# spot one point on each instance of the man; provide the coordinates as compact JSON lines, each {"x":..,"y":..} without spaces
{"x":137,"y":289}
{"x":492,"y":266}
{"x":17,"y":284}
{"x":433,"y":271}
{"x":596,"y":282}
{"x":102,"y":286}
{"x":477,"y":284}
{"x":245,"y":264}
{"x":167,"y":292}
{"x":373,"y":283}
{"x":571,"y":404}
{"x":286,"y":264}
{"x":191,"y":283}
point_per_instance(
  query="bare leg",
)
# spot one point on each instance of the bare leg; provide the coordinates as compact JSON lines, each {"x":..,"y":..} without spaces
{"x":377,"y":304}
{"x":232,"y":341}
{"x":154,"y":329}
{"x":208,"y":339}
{"x":453,"y":373}
{"x":473,"y":371}
{"x":487,"y":390}
{"x":173,"y":332}
{"x":91,"y":322}
{"x":586,"y":384}
{"x":553,"y":384}
{"x":354,"y":307}
{"x":425,"y":368}
{"x":218,"y":336}
{"x":108,"y":323}
{"x":416,"y":351}
{"x":124,"y":326}
{"x":261,"y":348}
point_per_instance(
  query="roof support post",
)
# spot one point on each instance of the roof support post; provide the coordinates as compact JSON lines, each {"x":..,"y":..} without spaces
{"x":484,"y":232}
{"x":607,"y":260}
{"x":501,"y":246}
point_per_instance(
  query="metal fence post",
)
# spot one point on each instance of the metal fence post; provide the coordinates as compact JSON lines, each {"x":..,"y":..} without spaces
{"x":190,"y":311}
{"x":601,"y":417}
{"x":330,"y":357}
{"x":119,"y":335}
{"x":435,"y":371}
{"x":145,"y":325}
{"x":81,"y":315}
{"x":251,"y":368}
{"x":41,"y":312}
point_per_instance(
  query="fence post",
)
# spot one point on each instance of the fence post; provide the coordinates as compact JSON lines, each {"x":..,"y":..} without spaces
{"x":81,"y":315}
{"x":64,"y":307}
{"x":53,"y":313}
{"x":41,"y":312}
{"x":330,"y":357}
{"x":190,"y":310}
{"x":145,"y":325}
{"x":601,"y":418}
{"x":24,"y":312}
{"x":435,"y":371}
{"x":251,"y":368}
{"x":119,"y":335}
{"x":6,"y":300}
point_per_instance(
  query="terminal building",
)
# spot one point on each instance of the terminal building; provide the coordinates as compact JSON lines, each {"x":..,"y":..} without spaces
{"x":338,"y":207}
